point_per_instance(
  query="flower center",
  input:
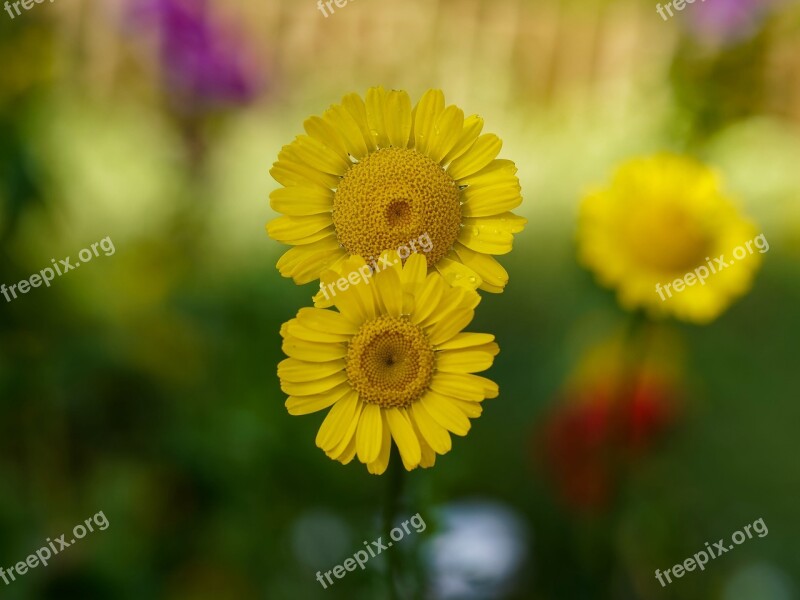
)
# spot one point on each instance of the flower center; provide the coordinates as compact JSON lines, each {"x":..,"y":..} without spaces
{"x":393,"y":197}
{"x":390,"y":362}
{"x":667,"y":238}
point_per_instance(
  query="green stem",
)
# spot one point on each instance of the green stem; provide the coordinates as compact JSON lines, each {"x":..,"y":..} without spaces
{"x":394,"y":492}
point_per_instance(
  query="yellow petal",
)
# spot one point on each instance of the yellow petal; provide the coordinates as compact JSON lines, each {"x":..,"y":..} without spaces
{"x":336,"y":423}
{"x":412,"y":278}
{"x":346,"y":454}
{"x":350,"y":286}
{"x":304,"y":405}
{"x":459,"y":381}
{"x":298,"y":257}
{"x":324,"y":132}
{"x":404,"y":437}
{"x":315,"y":154}
{"x":427,"y":111}
{"x":378,"y":466}
{"x":453,"y":300}
{"x":472,"y":129}
{"x":309,"y":266}
{"x":328,"y":320}
{"x":486,"y":240}
{"x":428,"y":456}
{"x":291,"y":229}
{"x":492,"y":289}
{"x":298,"y":201}
{"x":466,"y":340}
{"x":298,"y":371}
{"x":291,"y":170}
{"x":310,"y":388}
{"x":472,"y":360}
{"x":435,"y":435}
{"x":458,"y":274}
{"x":312,"y":351}
{"x":389,"y":288}
{"x":429,"y":298}
{"x":398,"y":118}
{"x":348,"y":130}
{"x":484,"y":151}
{"x":506,"y":222}
{"x":345,"y":450}
{"x":376,"y":109}
{"x":446,"y":132}
{"x":458,"y":385}
{"x":490,"y":388}
{"x":490,"y":271}
{"x":445,"y":329}
{"x":369,"y":434}
{"x":473,"y":410}
{"x":415,"y":270}
{"x":445,"y":413}
{"x":301,"y":331}
{"x":355,"y":106}
{"x":490,"y":200}
{"x":354,"y":301}
{"x":499,"y":171}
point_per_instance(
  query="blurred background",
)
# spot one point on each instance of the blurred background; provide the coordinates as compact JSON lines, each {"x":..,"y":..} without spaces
{"x":145,"y":385}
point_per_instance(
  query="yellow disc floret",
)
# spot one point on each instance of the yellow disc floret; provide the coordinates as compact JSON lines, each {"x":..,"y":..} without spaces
{"x":392,"y":196}
{"x":390,"y":362}
{"x":666,"y":236}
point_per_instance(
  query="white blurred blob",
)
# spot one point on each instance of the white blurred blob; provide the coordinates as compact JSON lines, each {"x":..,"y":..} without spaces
{"x":321,"y":539}
{"x":477,"y":551}
{"x":761,"y":581}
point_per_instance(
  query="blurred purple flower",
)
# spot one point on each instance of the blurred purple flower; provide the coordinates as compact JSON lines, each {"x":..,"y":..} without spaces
{"x":205,"y":65}
{"x":727,"y":21}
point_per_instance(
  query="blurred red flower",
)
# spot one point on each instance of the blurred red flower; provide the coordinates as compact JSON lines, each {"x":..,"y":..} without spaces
{"x":603,"y":426}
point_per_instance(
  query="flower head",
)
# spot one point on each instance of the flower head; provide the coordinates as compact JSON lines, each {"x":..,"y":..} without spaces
{"x":661,"y":218}
{"x":391,"y":363}
{"x":371,"y":175}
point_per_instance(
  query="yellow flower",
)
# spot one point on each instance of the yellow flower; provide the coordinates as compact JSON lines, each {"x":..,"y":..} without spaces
{"x":662,"y":218}
{"x":392,"y":363}
{"x":371,"y":175}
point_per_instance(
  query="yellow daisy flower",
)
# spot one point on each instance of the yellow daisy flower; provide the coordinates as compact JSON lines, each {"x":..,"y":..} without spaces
{"x":392,"y":363}
{"x":662,"y":218}
{"x":372,"y":174}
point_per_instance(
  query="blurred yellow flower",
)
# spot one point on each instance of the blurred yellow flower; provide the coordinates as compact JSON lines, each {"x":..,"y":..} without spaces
{"x":662,"y":219}
{"x":370,"y":175}
{"x":392,"y":363}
